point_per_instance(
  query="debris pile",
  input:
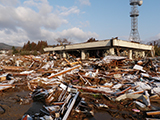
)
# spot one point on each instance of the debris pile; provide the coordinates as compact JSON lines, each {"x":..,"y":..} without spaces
{"x":73,"y":89}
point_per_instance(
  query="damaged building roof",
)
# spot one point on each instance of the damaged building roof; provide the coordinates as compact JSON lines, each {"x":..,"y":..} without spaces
{"x":102,"y":44}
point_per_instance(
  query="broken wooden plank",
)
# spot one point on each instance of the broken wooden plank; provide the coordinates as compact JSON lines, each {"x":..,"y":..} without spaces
{"x":74,"y":63}
{"x":63,"y":72}
{"x":153,"y":113}
{"x":13,"y":68}
{"x":94,"y":90}
{"x":122,"y":92}
{"x":2,"y":78}
{"x":68,"y":62}
{"x":4,"y":87}
{"x":85,"y":80}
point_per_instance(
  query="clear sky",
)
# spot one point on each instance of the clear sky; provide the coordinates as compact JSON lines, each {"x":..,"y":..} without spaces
{"x":76,"y":20}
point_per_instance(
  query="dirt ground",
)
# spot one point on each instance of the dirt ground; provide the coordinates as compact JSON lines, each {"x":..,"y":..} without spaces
{"x":17,"y":101}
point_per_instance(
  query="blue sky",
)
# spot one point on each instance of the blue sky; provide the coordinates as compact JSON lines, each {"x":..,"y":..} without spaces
{"x":76,"y":20}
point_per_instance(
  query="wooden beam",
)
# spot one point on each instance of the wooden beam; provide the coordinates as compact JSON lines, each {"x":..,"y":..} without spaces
{"x":63,"y":72}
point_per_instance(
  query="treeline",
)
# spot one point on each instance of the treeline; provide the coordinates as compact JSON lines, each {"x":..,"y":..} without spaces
{"x":31,"y":48}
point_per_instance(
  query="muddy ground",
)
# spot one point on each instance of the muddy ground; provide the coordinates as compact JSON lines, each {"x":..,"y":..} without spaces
{"x":17,"y":101}
{"x":12,"y":104}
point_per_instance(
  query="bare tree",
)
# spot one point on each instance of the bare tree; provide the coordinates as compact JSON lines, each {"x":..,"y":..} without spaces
{"x":63,"y":41}
{"x":92,"y":39}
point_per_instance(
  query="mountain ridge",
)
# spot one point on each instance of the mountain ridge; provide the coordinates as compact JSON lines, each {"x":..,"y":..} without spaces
{"x":4,"y":46}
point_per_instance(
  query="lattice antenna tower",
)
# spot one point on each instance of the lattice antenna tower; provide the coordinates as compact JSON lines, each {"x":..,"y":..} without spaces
{"x":134,"y":35}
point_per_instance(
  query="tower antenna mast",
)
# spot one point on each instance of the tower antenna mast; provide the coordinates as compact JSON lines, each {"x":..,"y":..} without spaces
{"x":134,"y":35}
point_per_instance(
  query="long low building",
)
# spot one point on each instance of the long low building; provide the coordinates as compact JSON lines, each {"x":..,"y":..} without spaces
{"x":104,"y":47}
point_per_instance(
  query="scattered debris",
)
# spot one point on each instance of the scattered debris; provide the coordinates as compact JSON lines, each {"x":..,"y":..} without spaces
{"x":71,"y":89}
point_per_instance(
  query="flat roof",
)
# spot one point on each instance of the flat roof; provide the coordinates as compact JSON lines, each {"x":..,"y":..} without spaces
{"x":128,"y":44}
{"x":101,"y":44}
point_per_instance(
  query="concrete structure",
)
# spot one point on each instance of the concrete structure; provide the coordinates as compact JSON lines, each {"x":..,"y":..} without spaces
{"x":105,"y":47}
{"x":83,"y":54}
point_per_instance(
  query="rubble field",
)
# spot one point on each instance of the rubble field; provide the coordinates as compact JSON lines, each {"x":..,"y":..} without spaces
{"x":51,"y":88}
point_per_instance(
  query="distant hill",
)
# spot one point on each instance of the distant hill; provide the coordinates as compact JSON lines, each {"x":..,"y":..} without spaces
{"x":4,"y":46}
